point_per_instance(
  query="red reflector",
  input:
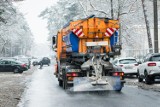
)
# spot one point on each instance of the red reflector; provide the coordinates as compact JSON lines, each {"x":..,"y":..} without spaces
{"x":151,"y":64}
{"x":122,"y":73}
{"x":70,"y":78}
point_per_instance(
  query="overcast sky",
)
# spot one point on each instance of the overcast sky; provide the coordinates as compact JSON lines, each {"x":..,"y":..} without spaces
{"x":31,"y":9}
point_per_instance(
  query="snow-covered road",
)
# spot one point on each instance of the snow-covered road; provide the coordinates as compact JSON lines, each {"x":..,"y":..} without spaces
{"x":43,"y":91}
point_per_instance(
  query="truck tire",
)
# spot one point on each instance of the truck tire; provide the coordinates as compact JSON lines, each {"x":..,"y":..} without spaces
{"x":64,"y":79}
{"x":64,"y":84}
{"x":60,"y":83}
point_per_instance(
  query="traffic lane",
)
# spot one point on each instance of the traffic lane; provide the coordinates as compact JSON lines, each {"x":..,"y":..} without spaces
{"x":129,"y":97}
{"x":43,"y":91}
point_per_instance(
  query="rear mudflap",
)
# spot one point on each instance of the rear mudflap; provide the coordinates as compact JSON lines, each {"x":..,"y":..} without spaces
{"x":88,"y":84}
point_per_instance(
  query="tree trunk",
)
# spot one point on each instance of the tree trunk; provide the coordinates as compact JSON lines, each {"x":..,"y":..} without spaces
{"x":112,"y":15}
{"x":147,"y":27}
{"x":120,"y":25}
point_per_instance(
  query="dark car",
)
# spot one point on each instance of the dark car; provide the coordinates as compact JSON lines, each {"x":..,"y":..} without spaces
{"x":12,"y":66}
{"x":25,"y":60}
{"x":36,"y":62}
{"x":45,"y":61}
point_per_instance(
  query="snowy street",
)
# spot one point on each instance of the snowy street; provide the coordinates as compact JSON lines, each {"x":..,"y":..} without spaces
{"x":43,"y":91}
{"x":79,"y":53}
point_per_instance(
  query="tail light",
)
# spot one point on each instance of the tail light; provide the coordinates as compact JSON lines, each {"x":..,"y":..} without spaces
{"x":115,"y":74}
{"x":151,"y":64}
{"x":73,"y":74}
{"x":23,"y":65}
{"x":121,"y":65}
{"x":118,"y":74}
{"x":136,"y":64}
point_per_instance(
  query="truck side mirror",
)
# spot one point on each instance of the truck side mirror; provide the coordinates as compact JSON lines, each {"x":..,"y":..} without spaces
{"x":55,"y":49}
{"x":117,"y":49}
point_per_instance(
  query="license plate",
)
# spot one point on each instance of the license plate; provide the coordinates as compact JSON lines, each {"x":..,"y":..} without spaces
{"x":128,"y":67}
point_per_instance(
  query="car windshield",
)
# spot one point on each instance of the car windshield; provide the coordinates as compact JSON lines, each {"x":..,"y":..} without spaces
{"x":127,"y":61}
{"x":155,"y":58}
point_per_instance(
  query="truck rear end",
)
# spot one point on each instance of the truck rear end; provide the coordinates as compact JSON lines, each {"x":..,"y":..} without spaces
{"x":84,"y":48}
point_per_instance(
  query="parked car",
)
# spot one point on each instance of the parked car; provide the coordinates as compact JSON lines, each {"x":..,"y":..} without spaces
{"x":45,"y":61}
{"x":129,"y":65}
{"x":25,"y":60}
{"x":7,"y":65}
{"x":36,"y":62}
{"x":149,"y":70}
{"x":8,"y":58}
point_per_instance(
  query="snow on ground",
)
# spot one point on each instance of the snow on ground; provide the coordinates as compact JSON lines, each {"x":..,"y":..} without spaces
{"x":12,"y":86}
{"x":39,"y":90}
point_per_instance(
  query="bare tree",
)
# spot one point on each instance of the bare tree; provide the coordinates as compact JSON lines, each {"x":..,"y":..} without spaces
{"x":147,"y":27}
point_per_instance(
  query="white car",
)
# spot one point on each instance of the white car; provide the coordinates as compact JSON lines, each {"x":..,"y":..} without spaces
{"x":129,"y":65}
{"x":149,"y":70}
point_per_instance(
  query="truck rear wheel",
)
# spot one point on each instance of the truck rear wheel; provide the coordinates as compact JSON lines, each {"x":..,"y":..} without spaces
{"x":64,"y":80}
{"x":60,"y":83}
{"x":65,"y":84}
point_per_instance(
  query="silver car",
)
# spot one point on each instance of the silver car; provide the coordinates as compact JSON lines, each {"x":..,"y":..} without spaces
{"x":129,"y":65}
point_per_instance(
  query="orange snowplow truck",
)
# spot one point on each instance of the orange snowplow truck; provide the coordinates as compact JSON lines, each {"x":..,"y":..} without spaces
{"x":84,"y":48}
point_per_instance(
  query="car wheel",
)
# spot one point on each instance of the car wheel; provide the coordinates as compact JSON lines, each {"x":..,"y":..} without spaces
{"x":20,"y":72}
{"x":16,"y":70}
{"x":147,"y":79}
{"x":140,"y":79}
{"x":137,"y":75}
